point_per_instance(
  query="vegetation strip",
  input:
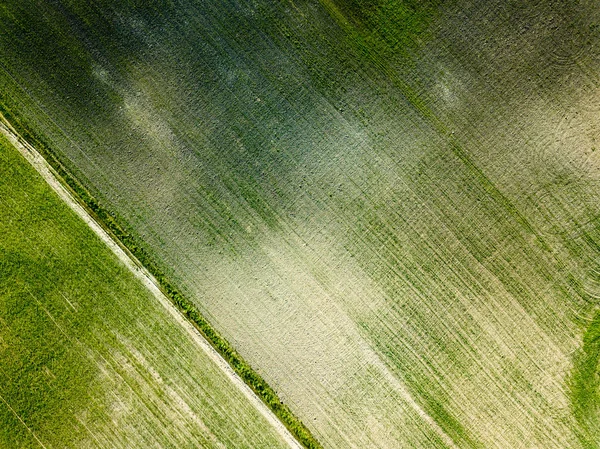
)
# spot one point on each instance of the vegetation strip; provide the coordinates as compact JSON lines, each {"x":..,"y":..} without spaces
{"x":585,"y":384}
{"x":120,"y":238}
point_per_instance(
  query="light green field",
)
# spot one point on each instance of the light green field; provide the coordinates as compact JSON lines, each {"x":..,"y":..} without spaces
{"x":88,"y":356}
{"x":390,"y":209}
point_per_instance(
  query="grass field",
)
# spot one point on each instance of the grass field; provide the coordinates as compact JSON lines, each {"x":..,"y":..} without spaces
{"x":88,"y":356}
{"x":390,"y":209}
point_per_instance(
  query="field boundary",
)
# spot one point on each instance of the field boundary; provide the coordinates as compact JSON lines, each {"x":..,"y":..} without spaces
{"x":125,"y":247}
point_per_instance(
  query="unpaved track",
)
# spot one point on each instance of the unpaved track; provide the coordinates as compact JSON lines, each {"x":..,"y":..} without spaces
{"x":48,"y":174}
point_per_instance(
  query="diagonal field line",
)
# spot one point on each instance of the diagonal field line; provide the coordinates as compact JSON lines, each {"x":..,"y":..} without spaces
{"x":22,"y":422}
{"x":45,"y":170}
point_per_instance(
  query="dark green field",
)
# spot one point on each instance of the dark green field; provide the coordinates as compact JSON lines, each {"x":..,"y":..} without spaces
{"x":389,"y":208}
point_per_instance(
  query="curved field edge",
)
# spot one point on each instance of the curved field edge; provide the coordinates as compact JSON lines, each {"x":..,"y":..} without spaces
{"x":585,"y":385}
{"x":130,"y":244}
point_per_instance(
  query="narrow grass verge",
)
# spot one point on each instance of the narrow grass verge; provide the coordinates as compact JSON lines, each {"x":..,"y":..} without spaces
{"x":129,"y":243}
{"x":585,"y":386}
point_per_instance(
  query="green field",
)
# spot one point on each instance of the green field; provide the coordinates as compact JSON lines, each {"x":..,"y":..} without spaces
{"x":390,"y":209}
{"x":88,"y":356}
